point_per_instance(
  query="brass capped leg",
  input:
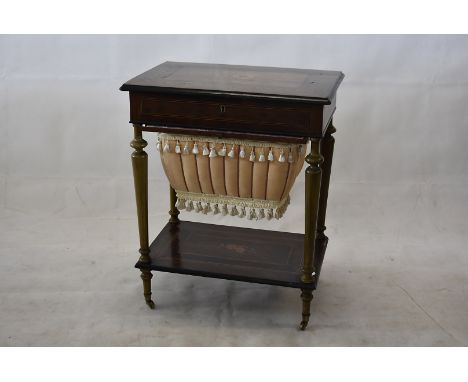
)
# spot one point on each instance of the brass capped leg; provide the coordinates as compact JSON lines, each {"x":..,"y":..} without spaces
{"x":328,"y":142}
{"x":306,"y":297}
{"x":313,"y":175}
{"x":146,"y":276}
{"x":140,"y":175}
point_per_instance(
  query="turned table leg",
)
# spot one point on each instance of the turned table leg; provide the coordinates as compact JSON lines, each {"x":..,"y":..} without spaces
{"x":140,"y":176}
{"x":174,"y":212}
{"x":313,"y":174}
{"x":328,"y":143}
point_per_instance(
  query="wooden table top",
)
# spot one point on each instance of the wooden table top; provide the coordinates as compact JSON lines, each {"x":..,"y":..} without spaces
{"x":238,"y":81}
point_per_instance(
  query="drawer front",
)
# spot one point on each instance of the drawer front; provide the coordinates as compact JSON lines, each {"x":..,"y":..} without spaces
{"x":225,"y":114}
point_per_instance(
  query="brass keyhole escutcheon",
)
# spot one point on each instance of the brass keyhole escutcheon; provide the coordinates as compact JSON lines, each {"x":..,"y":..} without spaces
{"x":222,"y":108}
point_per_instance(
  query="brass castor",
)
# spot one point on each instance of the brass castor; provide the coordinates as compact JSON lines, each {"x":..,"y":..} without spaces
{"x":146,"y":276}
{"x":306,"y":297}
{"x":150,"y":303}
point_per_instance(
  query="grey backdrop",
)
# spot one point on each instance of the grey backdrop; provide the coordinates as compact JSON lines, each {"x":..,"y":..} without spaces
{"x":398,"y":199}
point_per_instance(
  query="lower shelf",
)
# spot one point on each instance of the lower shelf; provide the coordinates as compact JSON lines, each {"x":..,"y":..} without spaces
{"x":232,"y":253}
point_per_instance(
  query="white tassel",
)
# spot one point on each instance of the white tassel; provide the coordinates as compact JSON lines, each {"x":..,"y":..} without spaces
{"x":281,"y":157}
{"x":177,"y":148}
{"x":166,"y":148}
{"x":213,"y":153}
{"x":290,"y":156}
{"x":180,"y":204}
{"x":261,"y":157}
{"x":269,"y":214}
{"x":232,"y":154}
{"x":224,"y":210}
{"x":242,"y":212}
{"x":207,"y":208}
{"x":242,"y":152}
{"x":215,"y":209}
{"x":186,"y":149}
{"x":158,"y":145}
{"x":222,"y":152}
{"x":198,"y":207}
{"x":195,"y":149}
{"x":261,"y":213}
{"x":252,"y":156}
{"x":205,"y":150}
{"x":189,"y":206}
{"x":278,"y":214}
{"x":271,"y":157}
{"x":234,"y":211}
{"x":252,"y":214}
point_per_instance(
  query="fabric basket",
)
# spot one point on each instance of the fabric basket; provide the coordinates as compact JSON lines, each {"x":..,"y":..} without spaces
{"x":230,"y":176}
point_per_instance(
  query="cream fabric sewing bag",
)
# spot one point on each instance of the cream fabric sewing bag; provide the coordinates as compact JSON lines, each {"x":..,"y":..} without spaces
{"x":238,"y":177}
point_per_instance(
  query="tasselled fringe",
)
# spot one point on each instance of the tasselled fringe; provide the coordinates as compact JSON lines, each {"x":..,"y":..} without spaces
{"x":252,"y":213}
{"x":288,"y":152}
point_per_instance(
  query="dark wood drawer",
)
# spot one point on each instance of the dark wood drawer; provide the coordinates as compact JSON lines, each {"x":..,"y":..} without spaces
{"x":229,"y":114}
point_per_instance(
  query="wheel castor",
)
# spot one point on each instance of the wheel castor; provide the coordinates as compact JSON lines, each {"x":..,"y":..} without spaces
{"x":306,"y":297}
